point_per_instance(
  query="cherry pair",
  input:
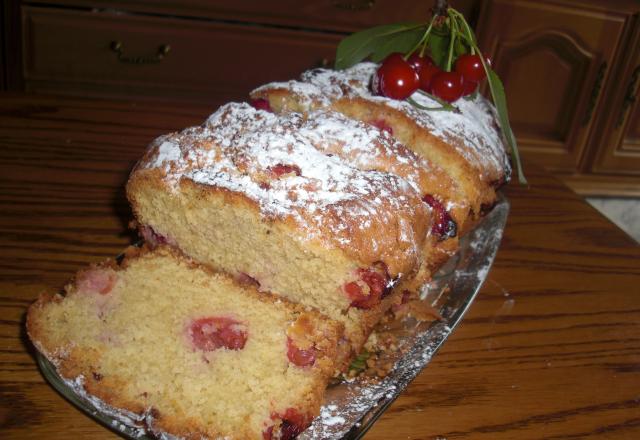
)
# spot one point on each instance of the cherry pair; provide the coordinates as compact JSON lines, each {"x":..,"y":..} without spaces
{"x":398,"y":78}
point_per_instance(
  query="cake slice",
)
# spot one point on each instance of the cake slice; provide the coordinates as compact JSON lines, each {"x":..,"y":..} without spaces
{"x":466,"y":143}
{"x":172,"y":348}
{"x":250,"y":194}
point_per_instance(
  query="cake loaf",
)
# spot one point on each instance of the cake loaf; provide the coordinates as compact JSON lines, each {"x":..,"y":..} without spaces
{"x":368,"y":148}
{"x":467,"y":142}
{"x":173,"y":349}
{"x":257,"y":196}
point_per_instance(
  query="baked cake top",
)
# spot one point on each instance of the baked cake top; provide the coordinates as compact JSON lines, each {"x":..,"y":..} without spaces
{"x":283,"y":164}
{"x":472,"y":129}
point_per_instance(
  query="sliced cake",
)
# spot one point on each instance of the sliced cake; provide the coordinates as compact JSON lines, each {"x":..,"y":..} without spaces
{"x":172,"y":348}
{"x":250,"y":194}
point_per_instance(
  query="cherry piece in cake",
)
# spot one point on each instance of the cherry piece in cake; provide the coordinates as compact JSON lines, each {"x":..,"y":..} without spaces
{"x":215,"y":332}
{"x":152,"y":238}
{"x":443,"y":226}
{"x":370,"y":288}
{"x":96,"y":280}
{"x":261,"y":104}
{"x":244,"y":278}
{"x":292,"y":423}
{"x":280,"y":170}
{"x":300,"y":357}
{"x":382,"y":125}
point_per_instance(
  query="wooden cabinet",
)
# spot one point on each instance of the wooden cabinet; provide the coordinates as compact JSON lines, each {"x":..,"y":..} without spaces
{"x":325,"y":15}
{"x":106,"y":53}
{"x":621,"y":152}
{"x":211,"y":51}
{"x":570,"y":70}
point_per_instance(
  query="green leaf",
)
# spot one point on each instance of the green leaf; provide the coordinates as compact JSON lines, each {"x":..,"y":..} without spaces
{"x":460,"y":48}
{"x":439,"y":48}
{"x":497,"y":93}
{"x":500,"y":101}
{"x":401,"y":42}
{"x":356,"y":47}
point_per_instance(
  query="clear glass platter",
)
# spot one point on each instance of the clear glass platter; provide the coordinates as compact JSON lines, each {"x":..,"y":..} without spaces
{"x":351,"y":407}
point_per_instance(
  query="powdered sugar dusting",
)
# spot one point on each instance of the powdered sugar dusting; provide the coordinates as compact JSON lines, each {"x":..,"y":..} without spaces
{"x":324,"y":172}
{"x":472,"y":130}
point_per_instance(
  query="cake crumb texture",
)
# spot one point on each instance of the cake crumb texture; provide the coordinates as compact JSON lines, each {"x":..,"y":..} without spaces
{"x":135,"y":335}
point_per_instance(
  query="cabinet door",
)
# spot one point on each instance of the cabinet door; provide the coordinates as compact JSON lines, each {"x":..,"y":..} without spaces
{"x":554,"y":58}
{"x":618,"y":149}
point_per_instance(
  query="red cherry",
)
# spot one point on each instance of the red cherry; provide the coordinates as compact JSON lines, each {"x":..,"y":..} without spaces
{"x":300,"y":357}
{"x":395,"y":57}
{"x":447,"y":86}
{"x":468,"y":87}
{"x":215,"y":332}
{"x":395,"y":78}
{"x":292,"y":424}
{"x":416,"y":61}
{"x":376,"y":279}
{"x":443,"y":225}
{"x":470,"y":66}
{"x":426,"y":74}
{"x":284,"y":169}
{"x":261,"y":104}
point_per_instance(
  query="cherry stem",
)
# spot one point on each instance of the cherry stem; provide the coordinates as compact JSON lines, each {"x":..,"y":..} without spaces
{"x":445,"y":105}
{"x":424,"y":38}
{"x":440,"y":7}
{"x":422,"y":107}
{"x":454,"y":34}
{"x":506,"y":128}
{"x":473,"y":96}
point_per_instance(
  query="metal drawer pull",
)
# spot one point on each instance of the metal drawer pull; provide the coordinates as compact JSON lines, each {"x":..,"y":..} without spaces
{"x":629,"y":96}
{"x":118,"y":48}
{"x":360,"y":5}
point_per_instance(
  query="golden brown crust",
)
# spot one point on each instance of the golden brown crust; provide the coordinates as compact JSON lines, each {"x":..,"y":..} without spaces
{"x":425,"y":144}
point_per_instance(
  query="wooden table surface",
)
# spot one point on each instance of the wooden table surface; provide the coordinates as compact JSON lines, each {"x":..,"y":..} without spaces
{"x":550,"y":348}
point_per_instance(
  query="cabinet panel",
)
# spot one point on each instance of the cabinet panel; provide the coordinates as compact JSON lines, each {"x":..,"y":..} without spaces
{"x":554,"y":60}
{"x":72,"y":51}
{"x":619,"y":146}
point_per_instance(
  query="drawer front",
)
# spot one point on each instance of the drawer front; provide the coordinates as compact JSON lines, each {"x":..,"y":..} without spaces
{"x":337,"y":15}
{"x":73,"y":52}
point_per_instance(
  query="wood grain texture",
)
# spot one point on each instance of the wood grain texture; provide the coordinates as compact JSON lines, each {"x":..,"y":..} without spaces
{"x":550,"y":349}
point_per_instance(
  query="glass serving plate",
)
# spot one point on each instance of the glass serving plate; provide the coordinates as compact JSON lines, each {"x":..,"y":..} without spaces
{"x":352,"y":406}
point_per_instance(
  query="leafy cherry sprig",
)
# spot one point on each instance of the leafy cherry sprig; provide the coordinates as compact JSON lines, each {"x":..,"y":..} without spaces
{"x":445,"y":36}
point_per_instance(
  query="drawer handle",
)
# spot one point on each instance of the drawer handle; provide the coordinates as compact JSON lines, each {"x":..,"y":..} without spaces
{"x":118,"y":48}
{"x":629,"y":96}
{"x":359,"y":5}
